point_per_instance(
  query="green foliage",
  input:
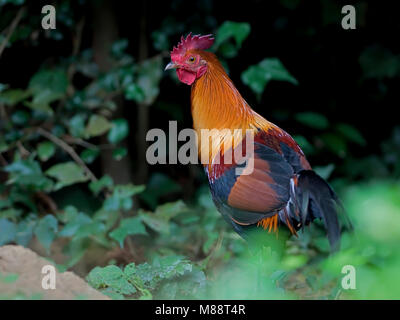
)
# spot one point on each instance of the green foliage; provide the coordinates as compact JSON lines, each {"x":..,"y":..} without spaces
{"x":129,"y":226}
{"x":238,"y":31}
{"x":66,"y":174}
{"x":172,"y":276}
{"x":257,"y":76}
{"x":119,"y":130}
{"x":313,"y":120}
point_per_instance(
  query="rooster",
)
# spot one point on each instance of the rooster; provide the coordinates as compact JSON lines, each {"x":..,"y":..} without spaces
{"x":282,"y":189}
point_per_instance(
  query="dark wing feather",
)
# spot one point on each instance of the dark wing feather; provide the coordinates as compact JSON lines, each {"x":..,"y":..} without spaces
{"x":246,"y":199}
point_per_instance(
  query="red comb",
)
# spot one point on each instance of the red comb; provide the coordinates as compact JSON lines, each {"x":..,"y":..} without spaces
{"x":195,"y":42}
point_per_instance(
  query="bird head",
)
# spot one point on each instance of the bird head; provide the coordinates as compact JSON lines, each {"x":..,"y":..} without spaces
{"x":187,"y":59}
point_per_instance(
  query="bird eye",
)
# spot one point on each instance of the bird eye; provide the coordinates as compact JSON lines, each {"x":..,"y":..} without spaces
{"x":191,"y":59}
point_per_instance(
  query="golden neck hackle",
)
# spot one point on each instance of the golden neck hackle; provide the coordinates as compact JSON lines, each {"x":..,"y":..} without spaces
{"x":217,"y":104}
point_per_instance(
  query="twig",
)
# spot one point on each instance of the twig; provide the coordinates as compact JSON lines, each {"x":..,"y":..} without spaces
{"x":69,"y":150}
{"x":11,"y":29}
{"x":79,"y":142}
{"x":22,"y":149}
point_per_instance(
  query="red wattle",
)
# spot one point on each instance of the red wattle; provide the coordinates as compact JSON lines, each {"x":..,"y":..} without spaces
{"x":186,"y":76}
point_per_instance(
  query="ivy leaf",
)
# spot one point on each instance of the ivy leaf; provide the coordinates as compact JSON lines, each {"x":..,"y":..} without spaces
{"x":24,"y":231}
{"x":313,"y":120}
{"x":97,"y":126}
{"x":257,"y":76}
{"x":119,"y":153}
{"x":74,"y":224}
{"x":91,"y":229}
{"x":134,"y":92}
{"x":28,"y":173}
{"x":121,"y":197}
{"x":110,"y":277}
{"x":335,"y":143}
{"x":89,"y":155}
{"x":66,"y":173}
{"x":46,"y":230}
{"x":14,"y":96}
{"x":47,"y":86}
{"x":304,"y":144}
{"x":46,"y":150}
{"x":76,"y":125}
{"x":149,"y":76}
{"x":118,"y":131}
{"x":8,"y":231}
{"x":351,"y":133}
{"x":128,"y":227}
{"x":237,"y":30}
{"x":171,"y":209}
{"x":105,"y":182}
{"x":54,"y":81}
{"x":20,"y":117}
{"x":155,"y":223}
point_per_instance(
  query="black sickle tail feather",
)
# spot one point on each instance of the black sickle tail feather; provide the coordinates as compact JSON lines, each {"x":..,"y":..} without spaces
{"x":311,"y":198}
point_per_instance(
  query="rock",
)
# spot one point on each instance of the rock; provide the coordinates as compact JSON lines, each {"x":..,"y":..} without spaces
{"x":21,"y":276}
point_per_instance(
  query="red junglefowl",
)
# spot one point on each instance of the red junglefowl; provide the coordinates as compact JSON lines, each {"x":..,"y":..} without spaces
{"x":282,"y":189}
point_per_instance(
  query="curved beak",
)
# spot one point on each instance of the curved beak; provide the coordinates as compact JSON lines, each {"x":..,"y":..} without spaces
{"x":171,"y":65}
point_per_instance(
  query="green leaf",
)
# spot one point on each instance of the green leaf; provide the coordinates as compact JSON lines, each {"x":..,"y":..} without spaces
{"x":155,"y":223}
{"x":237,"y":30}
{"x":351,"y":133}
{"x":134,"y":92}
{"x":105,"y":182}
{"x":335,"y":143}
{"x":119,"y":153}
{"x":46,"y":230}
{"x":41,"y":107}
{"x":110,"y":277}
{"x":118,"y":48}
{"x":379,"y":62}
{"x":97,"y":126}
{"x":47,"y":86}
{"x":89,"y":155}
{"x":159,"y":185}
{"x":171,"y":209}
{"x":149,"y":76}
{"x":94,"y":228}
{"x":76,"y":125}
{"x":304,"y":144}
{"x":118,"y":131}
{"x":8,"y":231}
{"x":28,"y":173}
{"x":128,"y":227}
{"x":20,"y":117}
{"x":313,"y":120}
{"x":66,"y":173}
{"x":14,"y":96}
{"x":73,"y":225}
{"x":121,"y":197}
{"x":257,"y":76}
{"x":54,"y":81}
{"x":24,"y":232}
{"x":46,"y":150}
{"x":159,"y":220}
